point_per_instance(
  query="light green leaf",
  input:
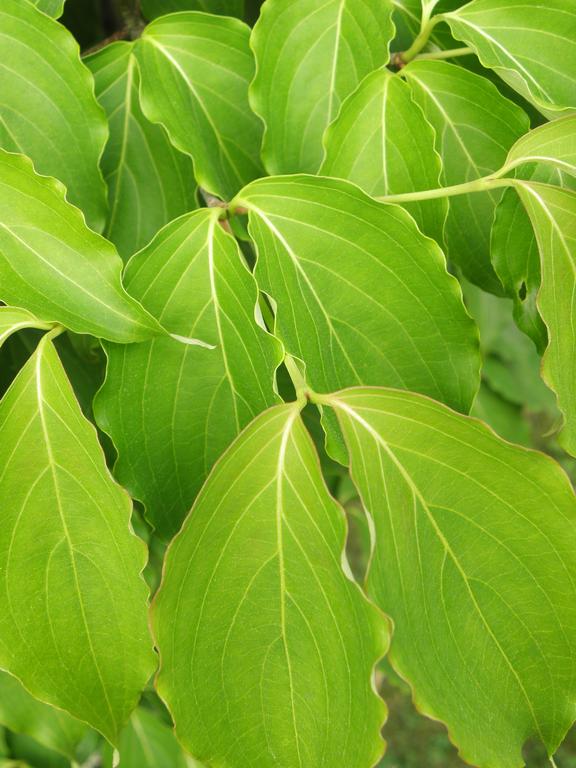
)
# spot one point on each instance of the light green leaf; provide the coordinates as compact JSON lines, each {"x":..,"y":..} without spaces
{"x":474,"y":563}
{"x":511,"y":364}
{"x":53,"y":8}
{"x":195,"y":73}
{"x":153,"y":8}
{"x":552,"y":144}
{"x":267,"y":648}
{"x":530,"y":45}
{"x":146,"y":742}
{"x":475,"y":127}
{"x":149,"y":182}
{"x":362,"y":296}
{"x":311,"y":54}
{"x":193,"y":278}
{"x":13,"y":319}
{"x":51,"y":727}
{"x":48,"y":109}
{"x":515,"y":254}
{"x":553,"y":214}
{"x":54,"y":266}
{"x":382,"y":142}
{"x":73,"y":628}
{"x":505,"y":418}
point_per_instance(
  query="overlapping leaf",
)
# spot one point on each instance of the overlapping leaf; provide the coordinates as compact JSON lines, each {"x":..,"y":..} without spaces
{"x":515,"y":253}
{"x":53,"y":8}
{"x":474,"y":562}
{"x":192,"y":277}
{"x":146,"y":742}
{"x":267,"y":647}
{"x":54,"y":266}
{"x":48,"y":109}
{"x":73,"y":627}
{"x":13,"y":319}
{"x":530,"y":45}
{"x":153,"y":8}
{"x":552,"y":211}
{"x":195,"y":73}
{"x":362,"y":296}
{"x":475,"y":128}
{"x":382,"y":142}
{"x":552,"y":144}
{"x":22,"y":713}
{"x":149,"y":181}
{"x":311,"y":54}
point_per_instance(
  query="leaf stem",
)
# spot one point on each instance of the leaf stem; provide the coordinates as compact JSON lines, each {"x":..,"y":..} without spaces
{"x":450,"y":54}
{"x":303,"y":392}
{"x":485,"y":184}
{"x":421,"y":39}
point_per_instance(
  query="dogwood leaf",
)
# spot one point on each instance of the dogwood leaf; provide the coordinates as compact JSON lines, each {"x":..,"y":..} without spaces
{"x":48,"y":109}
{"x":473,"y":561}
{"x":532,"y":47}
{"x":311,"y":54}
{"x":195,"y":73}
{"x":267,"y":647}
{"x":515,"y":253}
{"x":54,"y":266}
{"x":149,"y":181}
{"x":192,"y":277}
{"x":552,"y":211}
{"x":53,"y":8}
{"x":153,"y":8}
{"x":362,"y":296}
{"x":552,"y":144}
{"x":22,"y":713}
{"x":382,"y":142}
{"x":73,"y":628}
{"x":475,"y":127}
{"x":13,"y":319}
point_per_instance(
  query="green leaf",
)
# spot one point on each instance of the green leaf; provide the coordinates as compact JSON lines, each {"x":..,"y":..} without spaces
{"x":149,"y":182}
{"x":52,"y":8}
{"x":475,"y":127}
{"x":474,"y":563}
{"x":553,"y":214}
{"x":73,"y":628}
{"x":382,"y":142}
{"x":311,"y":55}
{"x":51,"y":727}
{"x":267,"y":647}
{"x":48,"y":109}
{"x":153,"y":8}
{"x":511,"y":364}
{"x":54,"y":266}
{"x":552,"y":144}
{"x":192,"y":277}
{"x":530,"y":45}
{"x":13,"y":319}
{"x":147,"y":743}
{"x":362,"y":296}
{"x":504,"y":417}
{"x":195,"y":73}
{"x":515,"y":254}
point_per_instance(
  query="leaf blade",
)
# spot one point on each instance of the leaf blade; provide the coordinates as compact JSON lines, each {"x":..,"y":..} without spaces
{"x":226,"y":141}
{"x":62,"y":129}
{"x":278,"y":600}
{"x":148,"y":179}
{"x":54,"y":266}
{"x":303,"y":73}
{"x":83,"y":606}
{"x":191,"y":276}
{"x":444,"y":492}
